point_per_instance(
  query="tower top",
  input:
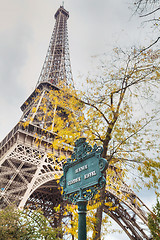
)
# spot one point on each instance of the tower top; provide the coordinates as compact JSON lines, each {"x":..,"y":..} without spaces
{"x":61,"y":10}
{"x":57,"y":68}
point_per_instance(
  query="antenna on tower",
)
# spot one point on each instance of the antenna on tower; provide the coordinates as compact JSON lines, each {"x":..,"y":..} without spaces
{"x":63,"y":4}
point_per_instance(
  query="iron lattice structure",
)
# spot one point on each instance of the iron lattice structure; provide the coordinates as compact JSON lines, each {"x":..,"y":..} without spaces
{"x":27,"y":173}
{"x":57,"y":66}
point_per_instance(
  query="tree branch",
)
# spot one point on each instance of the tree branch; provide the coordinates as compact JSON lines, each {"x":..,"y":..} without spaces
{"x":144,"y":49}
{"x":134,"y":133}
{"x":145,"y":15}
{"x":92,"y":105}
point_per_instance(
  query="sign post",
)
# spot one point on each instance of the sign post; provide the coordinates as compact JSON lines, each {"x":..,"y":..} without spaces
{"x":82,"y":211}
{"x":82,"y":178}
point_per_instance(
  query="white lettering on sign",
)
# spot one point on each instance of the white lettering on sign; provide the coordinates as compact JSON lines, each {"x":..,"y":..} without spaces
{"x":74,"y":181}
{"x":80,"y":169}
{"x":91,"y":174}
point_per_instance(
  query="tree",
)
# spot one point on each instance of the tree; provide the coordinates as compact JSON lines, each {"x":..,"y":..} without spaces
{"x":119,"y":110}
{"x":26,"y":225}
{"x":154,"y":221}
{"x":112,"y":104}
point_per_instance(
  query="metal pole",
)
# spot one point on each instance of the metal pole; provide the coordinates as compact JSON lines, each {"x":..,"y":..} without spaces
{"x":82,"y":210}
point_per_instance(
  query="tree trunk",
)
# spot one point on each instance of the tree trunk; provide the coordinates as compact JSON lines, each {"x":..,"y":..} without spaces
{"x":97,"y":227}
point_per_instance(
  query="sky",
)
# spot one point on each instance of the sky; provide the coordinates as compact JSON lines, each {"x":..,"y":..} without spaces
{"x":95,"y":27}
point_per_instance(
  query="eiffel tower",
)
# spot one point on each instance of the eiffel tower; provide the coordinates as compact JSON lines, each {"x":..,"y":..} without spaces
{"x":27,"y":173}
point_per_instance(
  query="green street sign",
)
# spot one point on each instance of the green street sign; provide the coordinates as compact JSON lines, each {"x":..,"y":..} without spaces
{"x":83,"y":172}
{"x":82,"y":178}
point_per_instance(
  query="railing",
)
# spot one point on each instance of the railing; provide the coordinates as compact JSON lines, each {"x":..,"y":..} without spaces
{"x":32,"y":130}
{"x":10,"y":134}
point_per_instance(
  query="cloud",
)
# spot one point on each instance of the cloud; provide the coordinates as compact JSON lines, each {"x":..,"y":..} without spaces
{"x":13,"y":50}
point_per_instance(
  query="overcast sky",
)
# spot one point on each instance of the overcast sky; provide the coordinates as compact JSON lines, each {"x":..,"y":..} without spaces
{"x":95,"y":27}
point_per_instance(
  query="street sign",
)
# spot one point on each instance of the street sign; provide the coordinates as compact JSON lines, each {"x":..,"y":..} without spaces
{"x":82,"y":178}
{"x":83,"y":172}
